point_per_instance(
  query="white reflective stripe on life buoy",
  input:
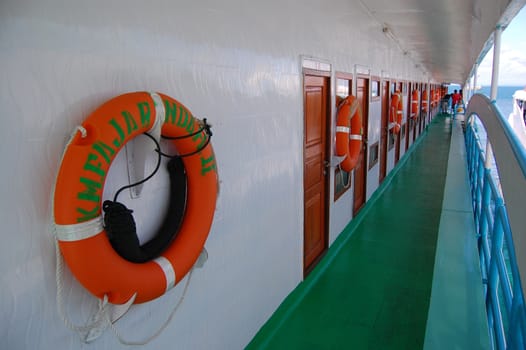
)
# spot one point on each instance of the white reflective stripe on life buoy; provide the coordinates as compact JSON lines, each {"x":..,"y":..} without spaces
{"x":355,"y":137}
{"x":344,"y":129}
{"x":168,"y":271}
{"x":80,"y":231}
{"x":159,"y":116}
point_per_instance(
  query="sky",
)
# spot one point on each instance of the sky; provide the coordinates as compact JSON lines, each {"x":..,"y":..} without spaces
{"x":512,"y":67}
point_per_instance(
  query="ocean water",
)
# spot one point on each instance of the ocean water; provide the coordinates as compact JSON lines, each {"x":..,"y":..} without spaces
{"x":504,"y":97}
{"x":505,"y":105}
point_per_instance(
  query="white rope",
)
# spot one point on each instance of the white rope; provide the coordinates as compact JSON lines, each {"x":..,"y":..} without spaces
{"x":102,"y":315}
{"x":102,"y":309}
{"x":83,"y":134}
{"x":82,"y":130}
{"x":59,"y":268}
{"x":161,"y":328}
{"x":342,"y":179}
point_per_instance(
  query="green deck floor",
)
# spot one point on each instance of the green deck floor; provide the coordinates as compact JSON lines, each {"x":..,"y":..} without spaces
{"x":372,"y":289}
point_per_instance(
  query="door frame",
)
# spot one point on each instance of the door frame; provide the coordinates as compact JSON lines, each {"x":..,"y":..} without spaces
{"x":417,"y":118}
{"x":408,"y":114}
{"x":384,"y":127}
{"x":398,"y":144}
{"x":365,"y":143}
{"x":328,"y":153}
{"x":339,"y":75}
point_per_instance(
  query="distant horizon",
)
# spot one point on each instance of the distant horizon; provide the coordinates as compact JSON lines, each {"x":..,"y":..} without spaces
{"x":506,"y":85}
{"x":500,"y":85}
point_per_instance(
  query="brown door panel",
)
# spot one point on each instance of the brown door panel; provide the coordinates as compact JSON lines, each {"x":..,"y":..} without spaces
{"x":316,"y":117}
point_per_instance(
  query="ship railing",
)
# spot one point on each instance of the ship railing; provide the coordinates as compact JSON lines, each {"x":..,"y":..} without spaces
{"x":500,"y":219}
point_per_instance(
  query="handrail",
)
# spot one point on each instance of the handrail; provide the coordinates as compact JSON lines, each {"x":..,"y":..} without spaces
{"x":503,"y":267}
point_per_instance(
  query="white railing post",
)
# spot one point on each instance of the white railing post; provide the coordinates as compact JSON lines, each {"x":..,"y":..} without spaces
{"x":497,"y":34}
{"x":475,"y":73}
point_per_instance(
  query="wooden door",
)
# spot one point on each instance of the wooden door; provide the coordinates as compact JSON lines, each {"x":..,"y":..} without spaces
{"x":408,"y":122}
{"x":316,"y":116}
{"x":398,"y":136}
{"x":360,"y":171}
{"x":422,"y":114}
{"x":415,"y":126}
{"x":417,"y":119}
{"x":384,"y":129}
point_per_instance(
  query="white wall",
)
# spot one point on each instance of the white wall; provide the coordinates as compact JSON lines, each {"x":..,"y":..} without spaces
{"x":390,"y":158}
{"x":236,"y":63}
{"x":341,"y":211}
{"x":375,"y":119}
{"x":410,"y":133}
{"x":402,"y":146}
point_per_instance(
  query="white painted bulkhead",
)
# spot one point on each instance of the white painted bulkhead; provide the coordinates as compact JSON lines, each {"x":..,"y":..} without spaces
{"x":373,"y":136}
{"x":236,"y":63}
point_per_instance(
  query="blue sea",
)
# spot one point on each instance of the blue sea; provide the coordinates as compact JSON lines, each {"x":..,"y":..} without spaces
{"x":505,"y":105}
{"x":504,"y":97}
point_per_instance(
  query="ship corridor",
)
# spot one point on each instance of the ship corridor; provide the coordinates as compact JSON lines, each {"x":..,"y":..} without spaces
{"x":404,"y":274}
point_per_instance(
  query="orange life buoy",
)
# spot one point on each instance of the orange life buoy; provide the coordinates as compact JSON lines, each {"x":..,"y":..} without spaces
{"x":79,"y":186}
{"x":396,"y":112}
{"x":349,"y":132}
{"x":414,"y":104}
{"x":425,"y":99}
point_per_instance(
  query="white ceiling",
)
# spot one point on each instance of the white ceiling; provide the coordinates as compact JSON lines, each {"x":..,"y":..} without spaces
{"x":444,"y":37}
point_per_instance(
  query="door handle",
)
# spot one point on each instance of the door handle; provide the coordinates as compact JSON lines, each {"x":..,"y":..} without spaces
{"x":326,"y":165}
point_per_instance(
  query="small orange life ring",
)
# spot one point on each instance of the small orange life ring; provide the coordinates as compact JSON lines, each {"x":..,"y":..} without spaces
{"x":396,"y":112}
{"x":414,"y":104}
{"x":77,"y":201}
{"x":425,"y":99}
{"x":349,"y":132}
